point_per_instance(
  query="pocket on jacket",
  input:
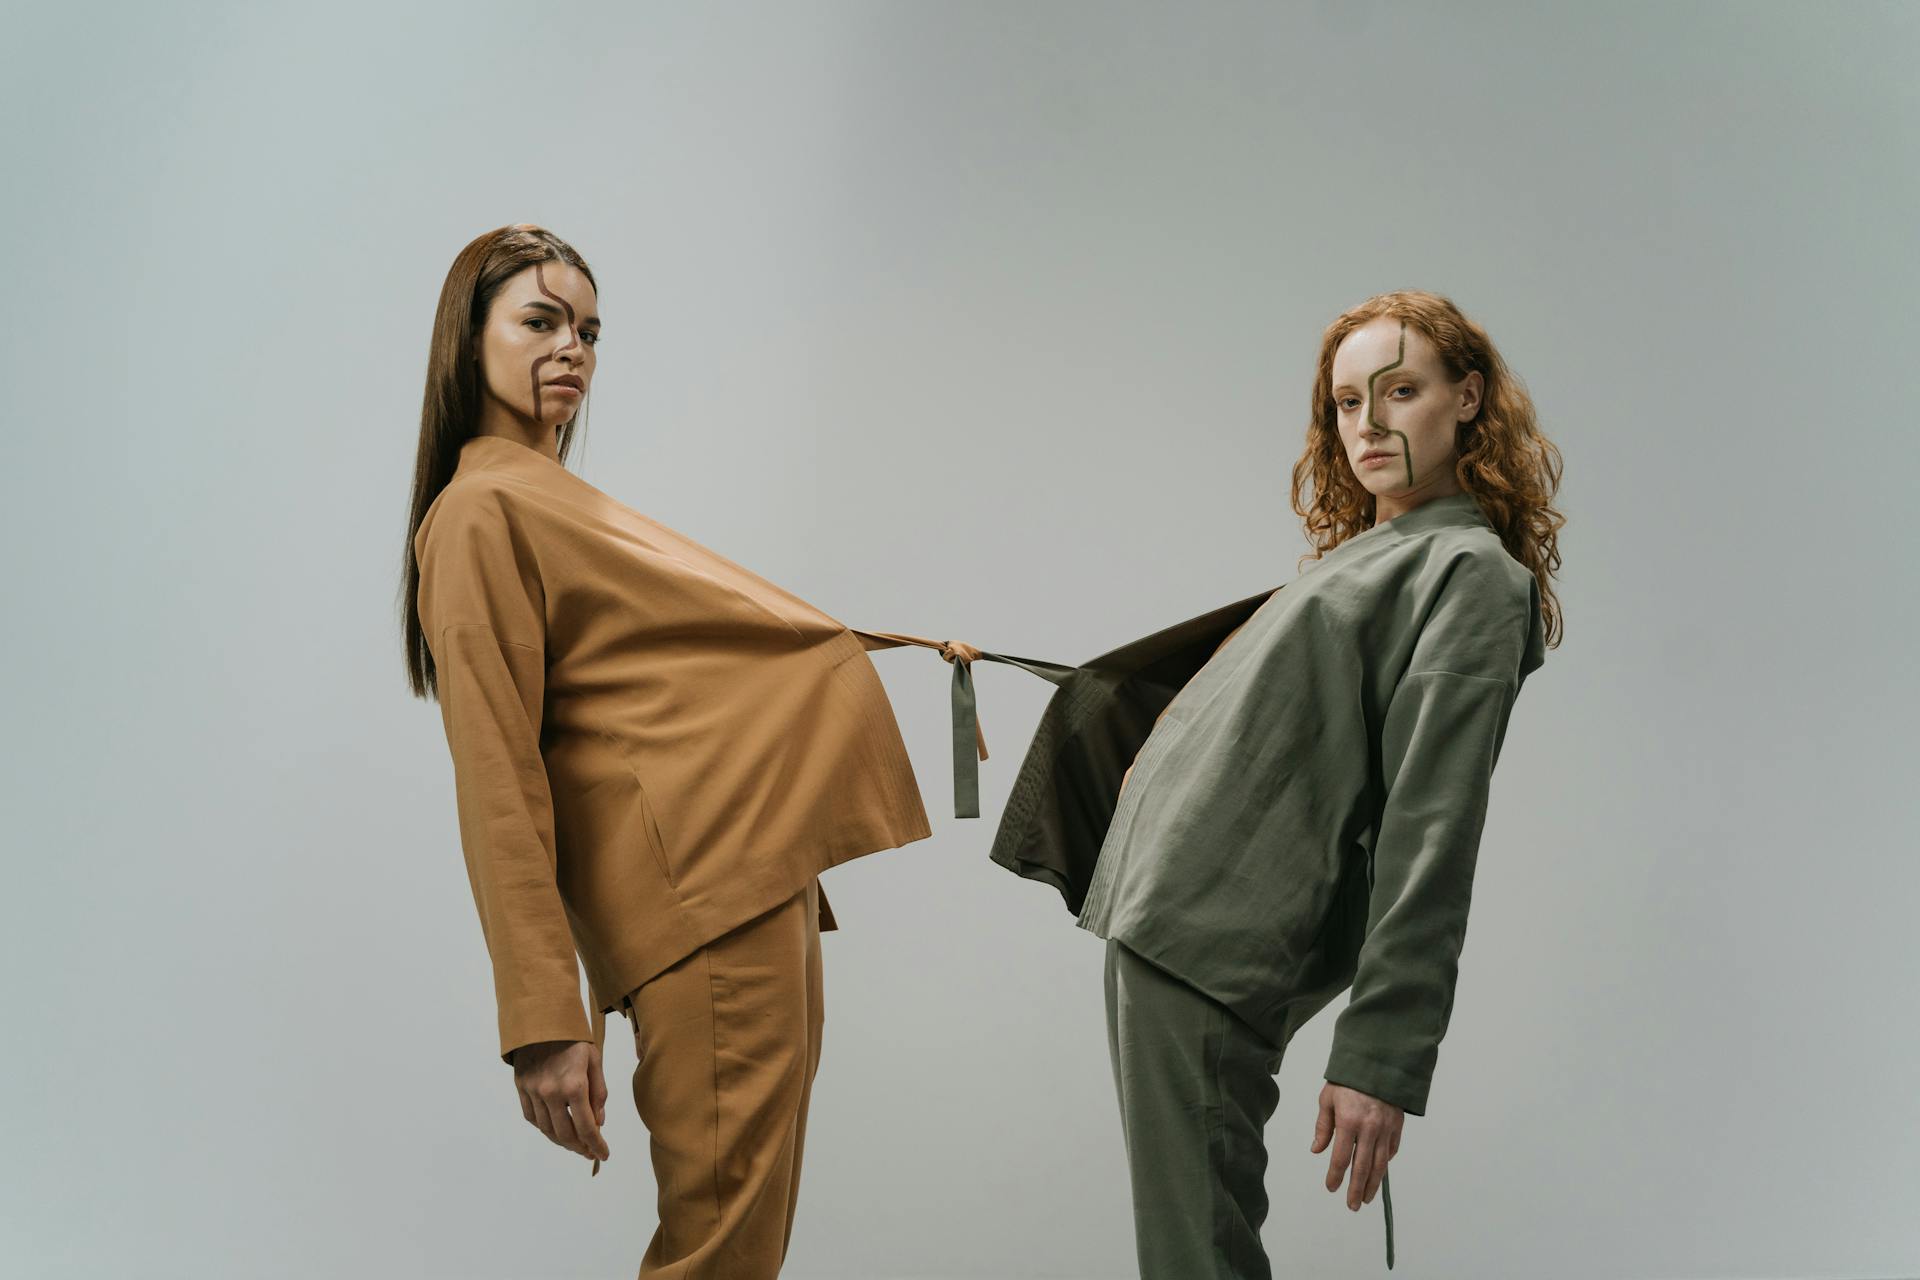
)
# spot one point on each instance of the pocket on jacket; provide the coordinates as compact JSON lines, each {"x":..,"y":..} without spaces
{"x":612,"y":810}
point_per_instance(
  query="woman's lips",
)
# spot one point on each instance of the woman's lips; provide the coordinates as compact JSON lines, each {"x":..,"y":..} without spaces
{"x":567,"y":387}
{"x":1375,"y":459}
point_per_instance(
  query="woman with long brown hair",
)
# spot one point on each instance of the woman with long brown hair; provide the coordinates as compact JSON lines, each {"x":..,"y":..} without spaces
{"x":1304,"y":814}
{"x":655,"y":754}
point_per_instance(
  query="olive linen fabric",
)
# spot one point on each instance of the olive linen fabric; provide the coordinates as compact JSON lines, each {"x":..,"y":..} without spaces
{"x":1196,"y":1088}
{"x":1063,"y":798}
{"x":1307,"y":813}
{"x":651,"y":744}
{"x":1306,"y":802}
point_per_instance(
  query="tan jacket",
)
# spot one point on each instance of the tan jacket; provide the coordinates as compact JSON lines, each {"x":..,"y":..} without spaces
{"x":651,"y":744}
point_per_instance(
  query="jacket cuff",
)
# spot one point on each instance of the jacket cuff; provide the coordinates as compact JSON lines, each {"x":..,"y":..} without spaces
{"x":1378,"y":1079}
{"x":530,"y":1023}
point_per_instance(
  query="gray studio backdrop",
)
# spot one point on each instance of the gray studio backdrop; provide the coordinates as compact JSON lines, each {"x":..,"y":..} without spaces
{"x":996,"y":322}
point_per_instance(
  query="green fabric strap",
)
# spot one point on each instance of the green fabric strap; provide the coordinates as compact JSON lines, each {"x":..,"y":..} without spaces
{"x":966,"y":726}
{"x":1386,"y":1205}
{"x":967,"y":738}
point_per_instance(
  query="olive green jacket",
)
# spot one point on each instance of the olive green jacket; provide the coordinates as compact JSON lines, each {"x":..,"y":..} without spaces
{"x":1305,"y":816}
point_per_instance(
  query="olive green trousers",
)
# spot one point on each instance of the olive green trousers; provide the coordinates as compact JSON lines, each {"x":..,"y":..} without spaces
{"x":1196,"y":1088}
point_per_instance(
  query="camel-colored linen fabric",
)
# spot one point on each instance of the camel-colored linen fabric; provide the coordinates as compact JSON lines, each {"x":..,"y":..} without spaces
{"x":727,"y":1045}
{"x":651,"y":744}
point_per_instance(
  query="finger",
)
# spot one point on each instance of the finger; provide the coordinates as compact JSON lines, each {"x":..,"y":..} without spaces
{"x":561,"y":1124}
{"x":1381,"y":1154}
{"x":1342,"y":1152}
{"x":597,"y":1090}
{"x":526,"y":1107}
{"x":1362,"y":1170}
{"x":1322,"y":1129}
{"x":1394,"y":1149}
{"x":593,"y":1145}
{"x":543,"y":1119}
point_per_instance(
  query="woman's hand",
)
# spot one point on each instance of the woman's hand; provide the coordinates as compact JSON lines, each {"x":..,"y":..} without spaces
{"x":563,"y":1093}
{"x":1363,"y":1129}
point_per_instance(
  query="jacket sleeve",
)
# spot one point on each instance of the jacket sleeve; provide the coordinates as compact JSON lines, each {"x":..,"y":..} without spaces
{"x":1440,"y":739}
{"x":482,"y":609}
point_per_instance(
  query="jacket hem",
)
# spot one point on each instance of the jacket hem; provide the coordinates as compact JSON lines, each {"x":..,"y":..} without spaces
{"x":702,"y":926}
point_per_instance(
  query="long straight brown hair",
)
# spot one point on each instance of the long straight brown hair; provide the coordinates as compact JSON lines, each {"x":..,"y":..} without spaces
{"x":450,"y":409}
{"x":1505,"y":461}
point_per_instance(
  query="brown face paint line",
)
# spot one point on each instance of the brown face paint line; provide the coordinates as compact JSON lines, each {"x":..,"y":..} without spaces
{"x":540,"y":283}
{"x":1400,"y":358}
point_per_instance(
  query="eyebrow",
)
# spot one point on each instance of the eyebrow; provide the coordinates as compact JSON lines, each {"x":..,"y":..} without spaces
{"x":552,"y":310}
{"x":1402,"y":372}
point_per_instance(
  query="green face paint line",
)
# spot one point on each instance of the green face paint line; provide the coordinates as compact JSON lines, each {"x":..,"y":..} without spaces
{"x":1400,"y":358}
{"x":540,"y":282}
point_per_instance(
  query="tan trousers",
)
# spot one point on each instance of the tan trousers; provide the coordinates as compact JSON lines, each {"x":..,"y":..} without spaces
{"x":728,"y":1043}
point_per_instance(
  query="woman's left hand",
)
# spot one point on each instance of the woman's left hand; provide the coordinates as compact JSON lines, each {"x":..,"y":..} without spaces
{"x":1364,"y":1131}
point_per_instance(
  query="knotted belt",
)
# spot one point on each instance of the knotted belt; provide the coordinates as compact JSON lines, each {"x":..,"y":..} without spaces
{"x":969,"y":742}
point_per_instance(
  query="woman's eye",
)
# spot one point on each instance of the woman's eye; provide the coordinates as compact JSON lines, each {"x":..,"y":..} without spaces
{"x":588,"y":336}
{"x":1404,"y":387}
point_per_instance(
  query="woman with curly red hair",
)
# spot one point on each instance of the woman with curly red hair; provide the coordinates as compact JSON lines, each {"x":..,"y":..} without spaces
{"x":1308,"y":805}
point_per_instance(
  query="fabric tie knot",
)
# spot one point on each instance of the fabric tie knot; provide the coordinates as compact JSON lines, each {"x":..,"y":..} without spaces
{"x":969,"y":740}
{"x":959,"y":651}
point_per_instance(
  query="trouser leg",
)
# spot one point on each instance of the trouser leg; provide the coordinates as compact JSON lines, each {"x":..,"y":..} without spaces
{"x":816,"y":1020}
{"x":1196,"y":1088}
{"x":728,"y":1044}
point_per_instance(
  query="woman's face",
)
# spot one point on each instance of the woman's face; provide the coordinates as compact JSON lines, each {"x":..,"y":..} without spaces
{"x":1398,"y":413}
{"x":536,"y":351}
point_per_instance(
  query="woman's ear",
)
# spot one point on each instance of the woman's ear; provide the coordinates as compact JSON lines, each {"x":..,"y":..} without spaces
{"x":1471,"y":387}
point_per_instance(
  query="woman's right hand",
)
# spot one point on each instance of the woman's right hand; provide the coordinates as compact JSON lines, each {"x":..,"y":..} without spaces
{"x":563,"y":1093}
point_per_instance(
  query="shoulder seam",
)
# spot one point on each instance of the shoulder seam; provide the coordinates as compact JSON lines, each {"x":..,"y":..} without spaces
{"x":1464,"y":675}
{"x":488,"y":628}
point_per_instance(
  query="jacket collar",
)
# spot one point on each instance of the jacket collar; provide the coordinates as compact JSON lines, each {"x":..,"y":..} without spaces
{"x":485,"y":452}
{"x":498,"y":453}
{"x":1456,"y":509}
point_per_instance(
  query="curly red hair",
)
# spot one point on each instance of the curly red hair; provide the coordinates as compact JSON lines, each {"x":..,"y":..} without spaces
{"x":1511,"y":469}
